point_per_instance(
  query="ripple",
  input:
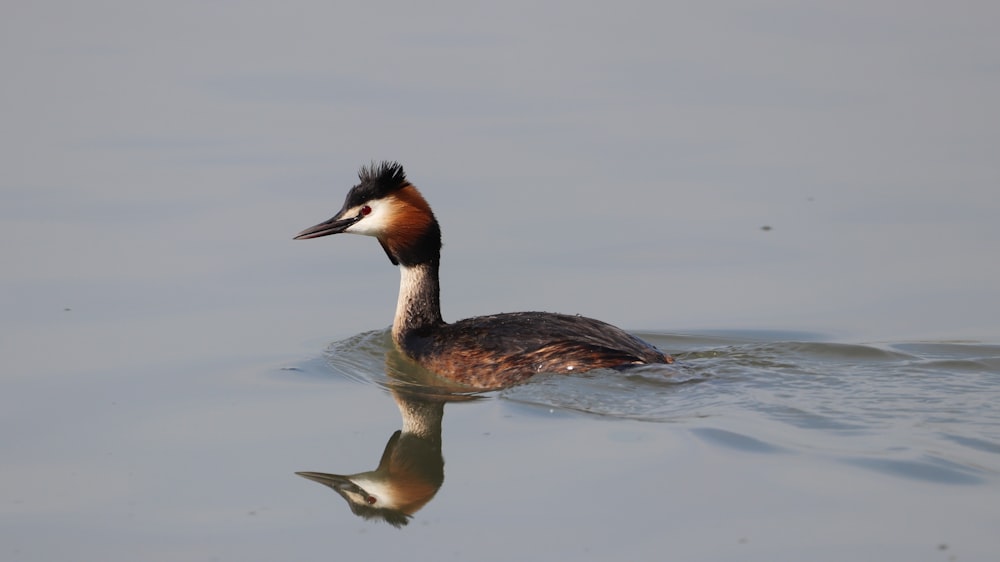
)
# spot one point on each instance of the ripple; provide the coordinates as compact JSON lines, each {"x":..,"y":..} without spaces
{"x":853,"y":402}
{"x":372,"y":358}
{"x":930,"y":469}
{"x":975,"y":443}
{"x":736,"y":441}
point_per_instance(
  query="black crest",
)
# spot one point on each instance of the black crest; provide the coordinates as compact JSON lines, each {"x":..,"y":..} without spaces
{"x":377,"y":181}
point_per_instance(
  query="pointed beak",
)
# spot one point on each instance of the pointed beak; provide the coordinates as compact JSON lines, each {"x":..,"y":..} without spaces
{"x":332,"y":226}
{"x":335,"y":481}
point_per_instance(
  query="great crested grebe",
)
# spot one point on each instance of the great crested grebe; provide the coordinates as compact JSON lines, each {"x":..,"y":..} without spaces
{"x":485,"y":351}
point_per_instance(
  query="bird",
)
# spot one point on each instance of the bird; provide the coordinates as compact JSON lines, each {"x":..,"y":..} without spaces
{"x":483,"y":352}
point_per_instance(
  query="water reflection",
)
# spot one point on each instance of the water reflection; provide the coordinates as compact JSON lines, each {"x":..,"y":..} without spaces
{"x":411,"y":469}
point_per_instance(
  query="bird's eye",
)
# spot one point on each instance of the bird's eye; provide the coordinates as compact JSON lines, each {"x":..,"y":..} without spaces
{"x":366,"y":210}
{"x":370,"y":499}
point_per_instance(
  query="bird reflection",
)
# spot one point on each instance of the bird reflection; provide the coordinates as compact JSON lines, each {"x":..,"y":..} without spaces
{"x":411,"y":469}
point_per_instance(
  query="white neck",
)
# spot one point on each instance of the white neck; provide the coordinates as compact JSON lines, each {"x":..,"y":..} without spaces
{"x":421,"y":418}
{"x":419,"y":303}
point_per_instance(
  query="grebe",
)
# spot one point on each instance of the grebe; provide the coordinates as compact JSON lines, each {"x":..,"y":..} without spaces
{"x":486,"y":351}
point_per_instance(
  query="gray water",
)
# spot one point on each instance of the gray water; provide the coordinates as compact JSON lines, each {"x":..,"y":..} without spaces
{"x":798,"y":202}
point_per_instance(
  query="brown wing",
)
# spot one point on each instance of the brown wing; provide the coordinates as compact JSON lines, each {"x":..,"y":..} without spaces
{"x":503,"y":349}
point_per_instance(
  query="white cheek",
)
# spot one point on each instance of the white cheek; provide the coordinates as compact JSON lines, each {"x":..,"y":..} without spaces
{"x":383,"y":492}
{"x":375,"y":222}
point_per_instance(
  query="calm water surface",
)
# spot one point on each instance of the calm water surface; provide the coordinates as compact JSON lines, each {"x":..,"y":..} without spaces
{"x":169,"y":357}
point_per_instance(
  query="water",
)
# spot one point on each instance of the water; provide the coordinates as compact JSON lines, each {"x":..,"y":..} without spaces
{"x":924,"y":411}
{"x":169,"y":357}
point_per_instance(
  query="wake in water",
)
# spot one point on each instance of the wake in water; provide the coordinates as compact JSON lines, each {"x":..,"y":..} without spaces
{"x":920,"y":410}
